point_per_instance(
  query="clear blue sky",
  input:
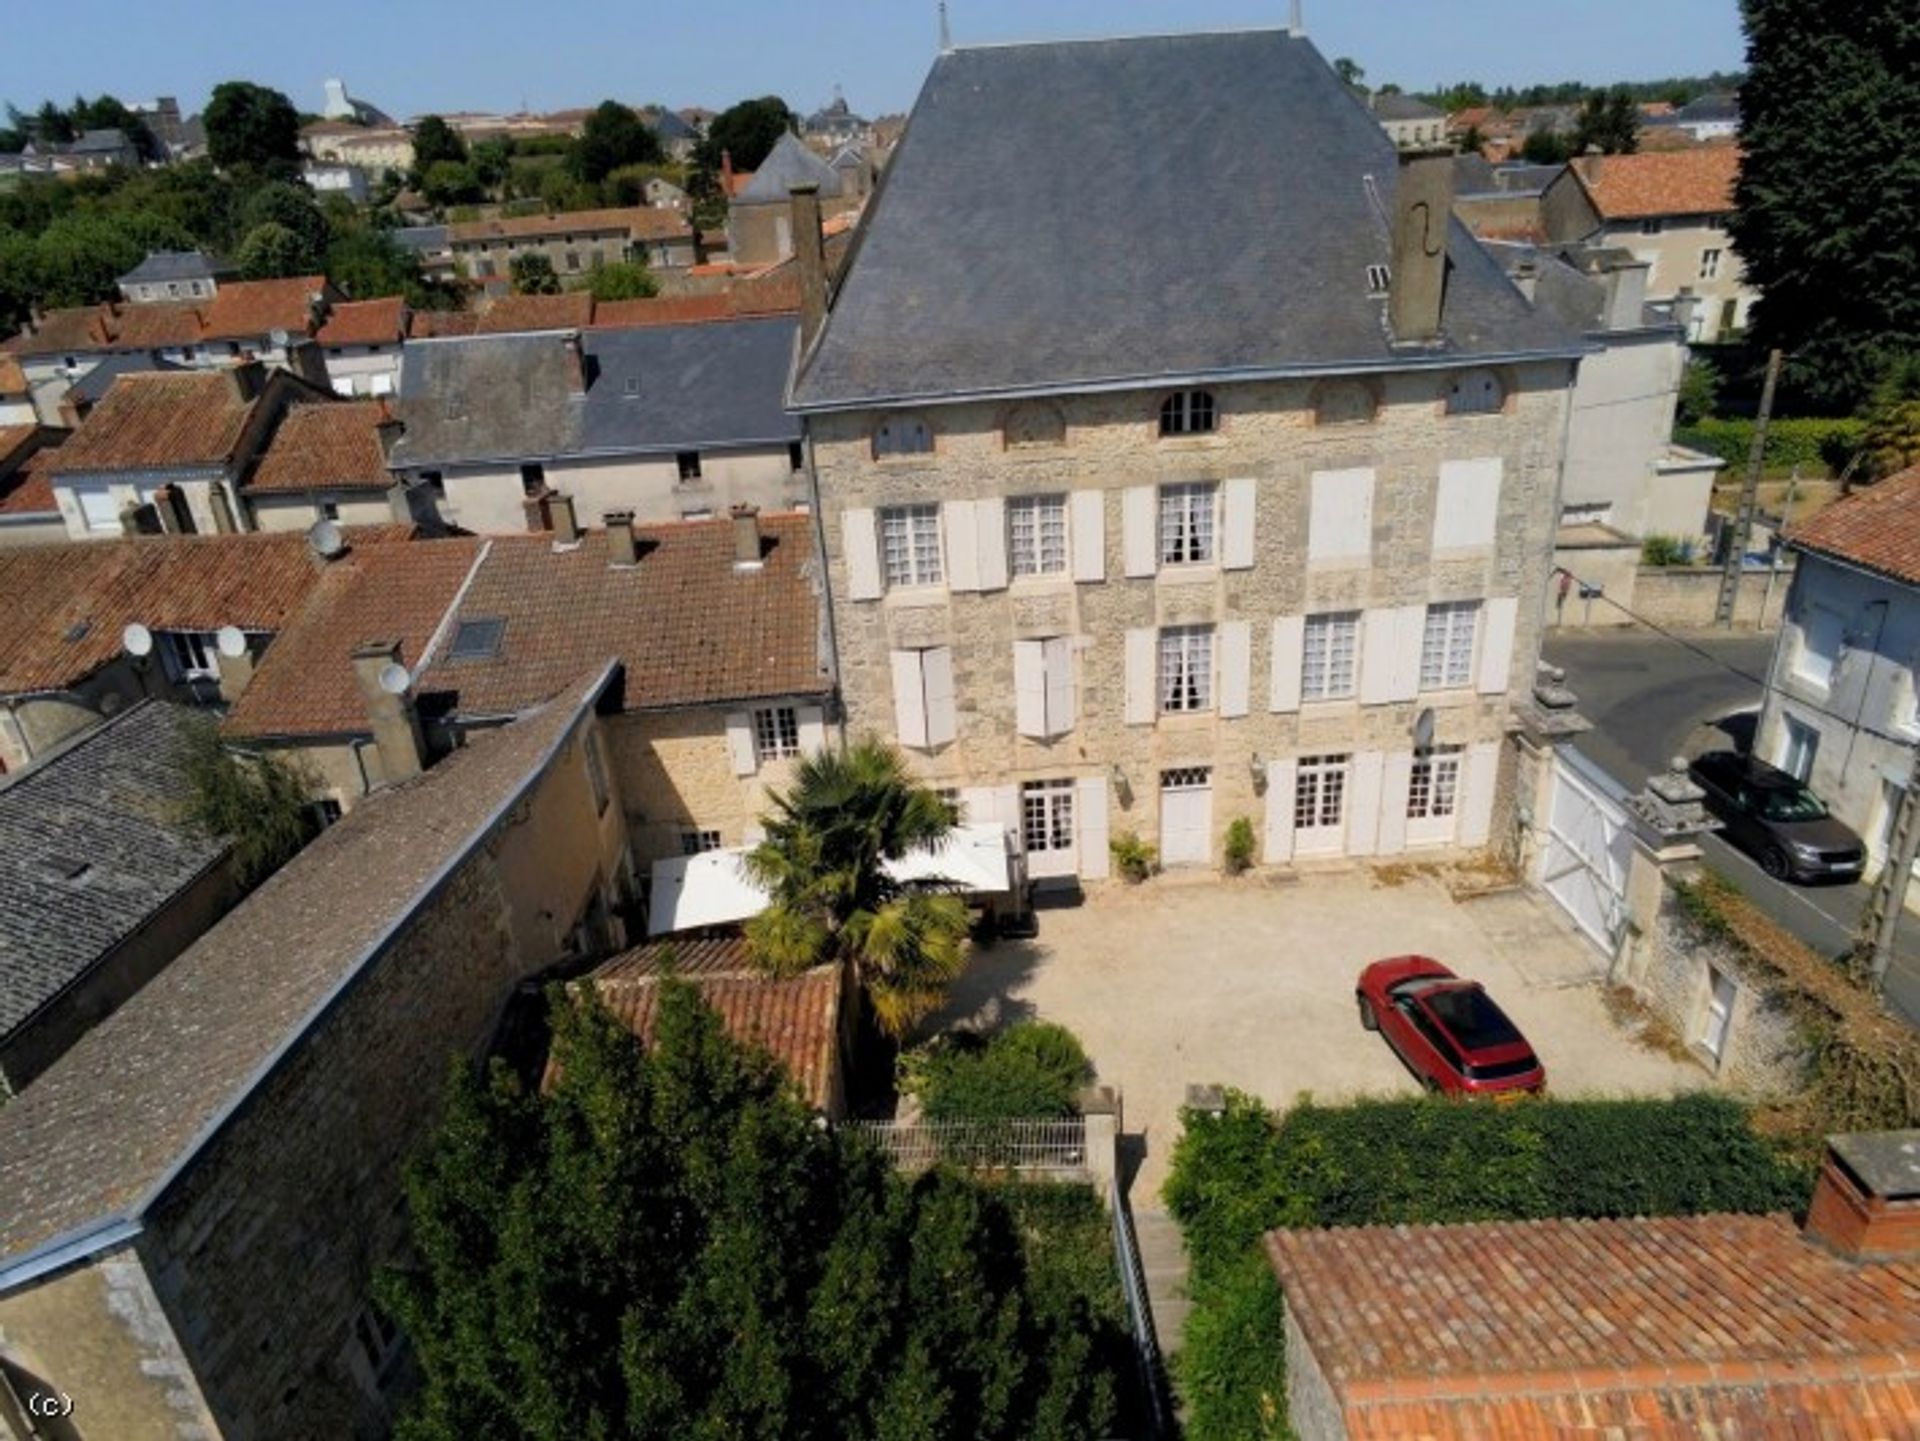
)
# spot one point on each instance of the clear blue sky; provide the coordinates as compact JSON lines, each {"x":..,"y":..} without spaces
{"x":412,"y":56}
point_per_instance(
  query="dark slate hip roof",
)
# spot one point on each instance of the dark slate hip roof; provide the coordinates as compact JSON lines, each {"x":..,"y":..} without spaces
{"x":1128,"y":212}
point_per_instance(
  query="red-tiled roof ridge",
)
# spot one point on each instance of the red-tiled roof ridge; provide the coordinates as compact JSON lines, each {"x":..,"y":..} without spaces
{"x":242,"y":309}
{"x":379,"y":321}
{"x":651,"y":222}
{"x":1666,"y":182}
{"x":160,"y":419}
{"x":325,"y":445}
{"x":1876,"y":528}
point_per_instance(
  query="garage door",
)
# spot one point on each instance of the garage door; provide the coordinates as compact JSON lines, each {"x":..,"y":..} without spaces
{"x":1186,"y":816}
{"x":1589,"y":847}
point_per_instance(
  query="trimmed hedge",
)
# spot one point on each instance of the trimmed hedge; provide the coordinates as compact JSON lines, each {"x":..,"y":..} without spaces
{"x":1033,"y":1068}
{"x":1808,"y":443}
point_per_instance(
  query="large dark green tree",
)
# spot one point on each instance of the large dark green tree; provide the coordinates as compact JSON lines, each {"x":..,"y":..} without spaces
{"x":1609,"y":121}
{"x":251,"y":125}
{"x":434,"y":141}
{"x":279,"y":202}
{"x":613,"y":135}
{"x":666,"y":1246}
{"x":1827,"y":222}
{"x":746,"y":131}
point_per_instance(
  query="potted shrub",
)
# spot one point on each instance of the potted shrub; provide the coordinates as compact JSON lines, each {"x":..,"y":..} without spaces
{"x":1133,"y":856}
{"x":1239,"y":853}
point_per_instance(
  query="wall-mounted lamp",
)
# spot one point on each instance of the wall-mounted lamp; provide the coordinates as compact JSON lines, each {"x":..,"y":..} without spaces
{"x":1121,"y":789}
{"x":1258,"y":767}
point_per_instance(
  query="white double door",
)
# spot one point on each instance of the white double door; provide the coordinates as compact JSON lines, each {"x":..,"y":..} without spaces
{"x":1186,"y":816}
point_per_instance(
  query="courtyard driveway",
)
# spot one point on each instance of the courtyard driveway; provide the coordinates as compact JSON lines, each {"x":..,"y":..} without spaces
{"x":1249,"y":984}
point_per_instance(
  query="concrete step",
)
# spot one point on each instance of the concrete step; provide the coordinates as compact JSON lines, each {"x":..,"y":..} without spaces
{"x":1163,"y":1260}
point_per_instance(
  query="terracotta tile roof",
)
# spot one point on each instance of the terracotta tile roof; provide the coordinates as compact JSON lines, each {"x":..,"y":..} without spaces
{"x":690,"y":628}
{"x":433,"y":324}
{"x":154,"y":327}
{"x":246,"y":308}
{"x":305,"y":684}
{"x":640,"y":222}
{"x":325,"y":446}
{"x":365,"y":322}
{"x":28,"y":489}
{"x":157,"y":419}
{"x":1680,"y":1326}
{"x":66,"y":605}
{"x":13,"y":380}
{"x":749,"y":298}
{"x":14,"y":437}
{"x":78,"y":327}
{"x":1877,"y":528}
{"x":571,"y":311}
{"x":1677,"y":182}
{"x":795,"y":1021}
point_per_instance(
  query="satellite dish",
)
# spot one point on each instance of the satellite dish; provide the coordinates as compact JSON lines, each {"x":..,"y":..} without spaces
{"x":394,"y":679}
{"x":325,"y":538}
{"x":1423,"y":729}
{"x":136,"y":639}
{"x":231,"y":641}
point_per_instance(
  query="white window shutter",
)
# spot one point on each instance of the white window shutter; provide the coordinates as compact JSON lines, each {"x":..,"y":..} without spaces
{"x":1289,"y":639}
{"x":1379,"y":645}
{"x":1030,"y":688}
{"x":1482,"y":774}
{"x":1340,"y":521}
{"x":1410,"y":631}
{"x":862,"y":541}
{"x":740,"y":748}
{"x":1138,"y":523}
{"x":963,"y":548}
{"x":909,"y":698}
{"x":1088,"y":523}
{"x":1142,"y":682}
{"x":1363,"y":803}
{"x":1063,"y":708}
{"x":1236,"y":538}
{"x":942,"y":723}
{"x":1236,"y":667}
{"x":990,"y":533}
{"x":813,"y":729}
{"x":1280,"y":778}
{"x":1397,"y":777}
{"x":1467,"y":503}
{"x":1090,"y":803}
{"x":1496,"y":644}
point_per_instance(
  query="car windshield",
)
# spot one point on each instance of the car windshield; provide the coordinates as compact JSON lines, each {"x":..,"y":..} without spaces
{"x":1475,"y":1021}
{"x":1791,"y":803}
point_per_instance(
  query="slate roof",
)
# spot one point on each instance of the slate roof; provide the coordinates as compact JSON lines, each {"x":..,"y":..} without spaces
{"x":365,"y":322}
{"x":1036,"y":230}
{"x":1876,"y":528}
{"x":483,"y":398}
{"x":324,"y":445}
{"x":789,"y":163}
{"x":1664,"y":182}
{"x":88,"y":1143}
{"x":160,"y":266}
{"x":244,"y":309}
{"x":689,"y":628}
{"x":113,"y":801}
{"x":639,"y":222}
{"x":1654,"y":1329}
{"x":90,"y":388}
{"x":1395,"y":105}
{"x":420,"y":238}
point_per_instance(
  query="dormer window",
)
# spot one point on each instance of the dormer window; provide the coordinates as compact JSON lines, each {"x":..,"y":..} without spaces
{"x":902,"y":435}
{"x":1187,"y":412}
{"x":1475,"y":392}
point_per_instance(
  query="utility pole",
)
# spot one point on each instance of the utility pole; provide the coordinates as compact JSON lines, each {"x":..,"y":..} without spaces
{"x":1880,"y":920}
{"x":1749,"y":499}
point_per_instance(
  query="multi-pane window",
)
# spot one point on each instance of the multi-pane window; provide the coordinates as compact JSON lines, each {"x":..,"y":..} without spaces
{"x":776,"y":733}
{"x":1446,"y":648}
{"x":1319,"y":792}
{"x":1046,"y":815}
{"x":910,"y":544}
{"x":1186,"y":668}
{"x":692,"y":843}
{"x":1187,"y":412}
{"x":1434,"y":788}
{"x":192,"y":655}
{"x":1186,"y":522}
{"x":902,"y":436}
{"x":1329,"y":648}
{"x":1709,"y":263}
{"x":1037,"y":534}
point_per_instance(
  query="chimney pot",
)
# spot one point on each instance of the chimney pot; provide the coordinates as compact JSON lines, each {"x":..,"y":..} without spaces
{"x":810,"y":254}
{"x":395,"y":722}
{"x":566,"y":530}
{"x":1422,"y":214}
{"x":1866,"y":1204}
{"x":746,"y":536}
{"x":576,"y":364}
{"x":621,"y":550}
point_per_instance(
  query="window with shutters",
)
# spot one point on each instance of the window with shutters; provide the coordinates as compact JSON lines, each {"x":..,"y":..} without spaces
{"x":1187,"y":412}
{"x":1433,"y":789}
{"x":1319,"y":792}
{"x":1329,"y":649}
{"x":1037,"y":535}
{"x":776,"y":732}
{"x":1446,"y":646}
{"x":1046,"y":815}
{"x":1475,"y":392}
{"x":1186,"y":522}
{"x":902,"y":435}
{"x":910,"y":545}
{"x":692,"y":843}
{"x":1044,"y":694}
{"x":1186,"y":668}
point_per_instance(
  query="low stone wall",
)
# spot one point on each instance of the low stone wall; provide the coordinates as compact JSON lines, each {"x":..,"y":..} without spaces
{"x":1684,"y":597}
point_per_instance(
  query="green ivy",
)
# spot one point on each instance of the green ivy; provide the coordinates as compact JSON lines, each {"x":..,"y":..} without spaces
{"x":1809,"y":443}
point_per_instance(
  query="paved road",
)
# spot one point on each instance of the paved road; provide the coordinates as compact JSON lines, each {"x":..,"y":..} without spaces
{"x":1651,"y":698}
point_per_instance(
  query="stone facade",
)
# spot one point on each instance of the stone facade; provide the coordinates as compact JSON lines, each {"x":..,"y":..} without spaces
{"x":1271,"y":433}
{"x":491,"y":500}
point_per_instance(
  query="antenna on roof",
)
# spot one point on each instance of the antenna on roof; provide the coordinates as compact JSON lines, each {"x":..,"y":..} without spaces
{"x":1296,"y":22}
{"x":946,"y":33}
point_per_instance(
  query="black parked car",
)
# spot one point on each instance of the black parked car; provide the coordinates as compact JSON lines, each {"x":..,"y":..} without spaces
{"x":1777,"y":820}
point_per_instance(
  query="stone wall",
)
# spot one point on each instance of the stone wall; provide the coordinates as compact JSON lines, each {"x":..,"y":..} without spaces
{"x":1313,"y":1411}
{"x":1684,"y":597}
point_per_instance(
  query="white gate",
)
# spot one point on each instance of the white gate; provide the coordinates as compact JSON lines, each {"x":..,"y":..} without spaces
{"x":1186,"y":816}
{"x":1589,"y":846}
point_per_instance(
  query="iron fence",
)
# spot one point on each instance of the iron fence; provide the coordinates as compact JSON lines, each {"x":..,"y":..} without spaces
{"x":1146,"y":1340}
{"x":1053,"y":1145}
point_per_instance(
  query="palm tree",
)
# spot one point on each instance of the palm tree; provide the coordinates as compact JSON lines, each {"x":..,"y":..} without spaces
{"x":846,"y":813}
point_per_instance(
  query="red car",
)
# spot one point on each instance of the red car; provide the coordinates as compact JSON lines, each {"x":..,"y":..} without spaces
{"x":1447,"y":1030}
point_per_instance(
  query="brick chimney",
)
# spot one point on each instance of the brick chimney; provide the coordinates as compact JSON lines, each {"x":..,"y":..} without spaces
{"x":810,"y":254}
{"x":746,"y":536}
{"x":390,"y":711}
{"x":236,"y":672}
{"x":576,"y":364}
{"x":566,"y":530}
{"x":1422,"y":209}
{"x":726,"y":175}
{"x":621,"y":551}
{"x":1866,"y":1204}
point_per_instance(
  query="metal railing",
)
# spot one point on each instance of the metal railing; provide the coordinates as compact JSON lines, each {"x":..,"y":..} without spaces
{"x":1052,"y":1145}
{"x":1146,"y":1340}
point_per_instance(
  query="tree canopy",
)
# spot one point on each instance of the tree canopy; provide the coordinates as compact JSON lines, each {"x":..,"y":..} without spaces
{"x":614,"y":135}
{"x":1609,"y":121}
{"x":533,"y":274}
{"x":1827,"y":221}
{"x":253,"y":125}
{"x":433,"y":141}
{"x":665,"y":1245}
{"x":622,"y":280}
{"x":747,"y":132}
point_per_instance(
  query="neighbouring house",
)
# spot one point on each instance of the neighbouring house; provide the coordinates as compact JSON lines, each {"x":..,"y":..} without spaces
{"x":91,"y":150}
{"x":429,"y":243}
{"x":806,"y":1023}
{"x":1705,"y":118}
{"x":835,"y":123}
{"x":16,"y":394}
{"x":221,"y":1159}
{"x":759,"y":230}
{"x":1669,"y":208}
{"x":325,"y":462}
{"x":267,"y":320}
{"x":1842,"y":706}
{"x":858,"y":165}
{"x":360,"y":344}
{"x":661,"y":422}
{"x":574,"y":241}
{"x":374,"y":149}
{"x":663,"y":194}
{"x":336,"y":177}
{"x":516,"y":314}
{"x":103,"y":879}
{"x":1167,"y":526}
{"x":90,"y":389}
{"x":29,"y":515}
{"x":1410,"y":122}
{"x":1672,"y":1326}
{"x":175,"y":275}
{"x":677,"y":137}
{"x":182,"y":137}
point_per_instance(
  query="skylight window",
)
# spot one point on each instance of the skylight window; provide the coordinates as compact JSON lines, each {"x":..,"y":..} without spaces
{"x":477,"y":639}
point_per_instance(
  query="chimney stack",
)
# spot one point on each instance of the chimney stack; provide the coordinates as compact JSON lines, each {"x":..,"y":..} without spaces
{"x":235,"y":672}
{"x":576,"y":364}
{"x":726,"y":175}
{"x":810,"y":254}
{"x":1627,"y":295}
{"x":566,"y":530}
{"x":1422,"y":211}
{"x":390,"y":711}
{"x":621,"y":551}
{"x":746,"y":536}
{"x":1866,"y":1204}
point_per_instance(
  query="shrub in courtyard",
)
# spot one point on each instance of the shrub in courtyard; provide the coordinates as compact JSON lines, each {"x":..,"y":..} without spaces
{"x":1239,"y":851}
{"x":1033,"y":1068}
{"x":1666,"y":550}
{"x":1133,"y":856}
